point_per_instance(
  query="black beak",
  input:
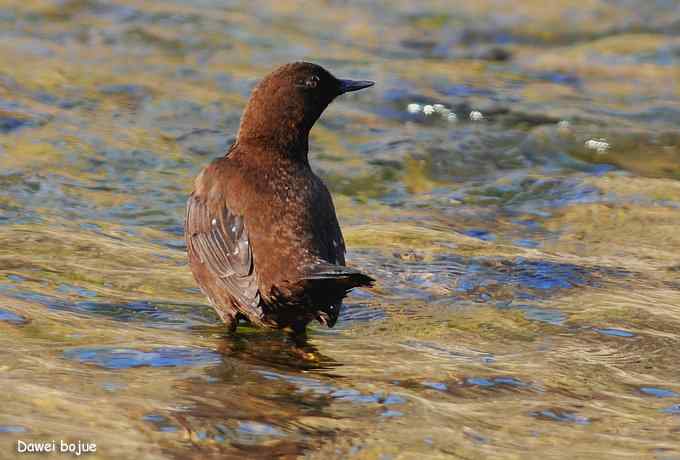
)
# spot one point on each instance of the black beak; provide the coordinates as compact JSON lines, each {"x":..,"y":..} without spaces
{"x":347,"y":86}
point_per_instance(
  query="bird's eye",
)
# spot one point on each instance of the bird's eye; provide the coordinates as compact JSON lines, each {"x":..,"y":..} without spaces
{"x":312,"y":81}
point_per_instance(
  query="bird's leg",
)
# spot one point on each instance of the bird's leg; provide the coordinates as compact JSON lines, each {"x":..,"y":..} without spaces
{"x":298,"y":333}
{"x":300,"y":347}
{"x":232,"y":324}
{"x":230,"y":320}
{"x":235,"y":320}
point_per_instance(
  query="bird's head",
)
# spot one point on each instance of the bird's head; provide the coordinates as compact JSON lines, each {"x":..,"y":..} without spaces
{"x":284,"y":106}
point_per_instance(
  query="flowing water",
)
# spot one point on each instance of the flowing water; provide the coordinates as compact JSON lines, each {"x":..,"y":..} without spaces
{"x":512,"y":181}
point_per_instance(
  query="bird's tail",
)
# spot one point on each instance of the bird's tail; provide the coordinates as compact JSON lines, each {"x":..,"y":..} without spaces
{"x":325,"y":285}
{"x":337,"y":276}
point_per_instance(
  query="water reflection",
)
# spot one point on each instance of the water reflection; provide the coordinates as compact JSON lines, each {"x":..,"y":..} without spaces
{"x":275,"y":349}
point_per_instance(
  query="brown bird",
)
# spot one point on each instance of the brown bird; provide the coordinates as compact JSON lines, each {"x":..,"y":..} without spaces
{"x":262,"y":236}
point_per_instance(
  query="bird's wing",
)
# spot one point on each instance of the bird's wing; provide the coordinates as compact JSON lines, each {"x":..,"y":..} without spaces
{"x":337,"y":245}
{"x":218,"y":238}
{"x":332,"y":235}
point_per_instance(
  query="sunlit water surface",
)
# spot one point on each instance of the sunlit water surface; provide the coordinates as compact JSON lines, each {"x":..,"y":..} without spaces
{"x":511,"y":181}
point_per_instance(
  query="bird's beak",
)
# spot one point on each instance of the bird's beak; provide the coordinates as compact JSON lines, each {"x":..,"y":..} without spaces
{"x":347,"y":86}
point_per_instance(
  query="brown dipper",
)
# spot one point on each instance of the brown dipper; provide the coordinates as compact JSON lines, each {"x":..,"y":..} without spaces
{"x":263,"y":239}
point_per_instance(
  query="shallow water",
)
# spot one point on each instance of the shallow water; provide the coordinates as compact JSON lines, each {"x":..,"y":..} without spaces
{"x":511,"y":181}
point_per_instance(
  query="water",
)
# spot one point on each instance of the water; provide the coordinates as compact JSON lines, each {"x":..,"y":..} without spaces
{"x":511,"y":181}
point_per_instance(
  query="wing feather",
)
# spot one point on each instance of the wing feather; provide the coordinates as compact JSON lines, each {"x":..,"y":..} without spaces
{"x":219,"y":240}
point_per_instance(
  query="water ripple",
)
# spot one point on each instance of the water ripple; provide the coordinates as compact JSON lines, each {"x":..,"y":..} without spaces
{"x":125,"y":358}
